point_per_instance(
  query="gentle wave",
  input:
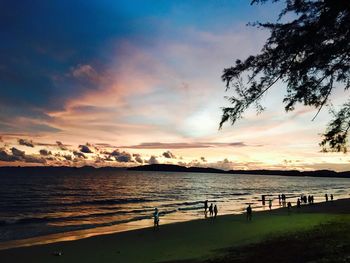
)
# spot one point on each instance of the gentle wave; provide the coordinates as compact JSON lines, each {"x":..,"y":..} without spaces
{"x":26,"y":203}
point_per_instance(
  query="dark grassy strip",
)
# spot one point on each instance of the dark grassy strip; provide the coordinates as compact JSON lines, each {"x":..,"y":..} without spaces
{"x":324,"y":243}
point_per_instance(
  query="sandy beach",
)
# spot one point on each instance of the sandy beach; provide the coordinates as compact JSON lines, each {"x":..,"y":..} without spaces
{"x":194,"y":240}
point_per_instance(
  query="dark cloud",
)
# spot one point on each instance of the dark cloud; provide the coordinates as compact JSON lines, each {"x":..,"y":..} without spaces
{"x":153,"y":160}
{"x":33,"y":159}
{"x":61,"y":146}
{"x":4,"y":156}
{"x":45,"y":152}
{"x":18,"y":155}
{"x":125,"y":158}
{"x":114,"y":153}
{"x":122,"y":157}
{"x":79,"y":155}
{"x":85,"y":149}
{"x":159,"y":145}
{"x":90,"y":145}
{"x":137,"y":158}
{"x":16,"y":152}
{"x":67,"y":157}
{"x":203,"y":159}
{"x":25,"y":142}
{"x":169,"y":155}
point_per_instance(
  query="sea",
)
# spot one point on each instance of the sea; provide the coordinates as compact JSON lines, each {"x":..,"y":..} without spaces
{"x":44,"y":208}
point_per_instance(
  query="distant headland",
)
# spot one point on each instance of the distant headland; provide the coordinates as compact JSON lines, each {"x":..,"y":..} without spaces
{"x":7,"y":170}
{"x":178,"y":168}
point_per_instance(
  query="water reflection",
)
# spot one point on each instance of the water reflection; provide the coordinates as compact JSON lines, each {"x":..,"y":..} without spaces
{"x":121,"y":200}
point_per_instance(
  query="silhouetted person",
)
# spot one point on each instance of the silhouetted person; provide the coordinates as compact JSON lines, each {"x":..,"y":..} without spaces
{"x":326,"y":196}
{"x":283,"y":197}
{"x":215,"y":211}
{"x":263,"y":199}
{"x":279,"y":199}
{"x":249,"y":213}
{"x":289,"y":205}
{"x":211,"y":210}
{"x":331,"y":197}
{"x":304,"y":199}
{"x":205,"y":207}
{"x":156,"y":218}
{"x":309,"y":199}
{"x":298,"y":203}
{"x":270,"y":203}
{"x":283,"y":200}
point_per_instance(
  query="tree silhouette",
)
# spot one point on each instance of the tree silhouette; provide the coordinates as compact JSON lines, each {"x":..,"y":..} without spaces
{"x":310,"y":53}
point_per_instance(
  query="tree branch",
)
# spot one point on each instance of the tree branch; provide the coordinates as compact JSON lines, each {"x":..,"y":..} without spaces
{"x":325,"y":99}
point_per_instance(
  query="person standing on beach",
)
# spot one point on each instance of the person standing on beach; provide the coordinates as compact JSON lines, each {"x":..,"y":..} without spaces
{"x":211,"y":210}
{"x":331,"y":197}
{"x":326,"y":196}
{"x":270,"y":203}
{"x":249,"y":213}
{"x":205,"y":206}
{"x":215,"y":211}
{"x":298,"y":203}
{"x":283,"y":200}
{"x":156,"y":218}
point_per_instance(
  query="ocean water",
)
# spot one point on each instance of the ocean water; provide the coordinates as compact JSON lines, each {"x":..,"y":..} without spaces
{"x":42,"y":205}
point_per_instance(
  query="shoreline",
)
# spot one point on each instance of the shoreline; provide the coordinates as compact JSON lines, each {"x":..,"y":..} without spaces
{"x":123,"y":227}
{"x":199,"y":238}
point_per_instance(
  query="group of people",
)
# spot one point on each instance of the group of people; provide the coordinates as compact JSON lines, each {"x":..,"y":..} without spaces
{"x":282,"y":199}
{"x":263,"y":201}
{"x":305,"y":200}
{"x":326,"y":196}
{"x":213,"y":210}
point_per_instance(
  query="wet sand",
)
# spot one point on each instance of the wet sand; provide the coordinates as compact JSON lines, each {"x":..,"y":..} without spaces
{"x":197,"y":239}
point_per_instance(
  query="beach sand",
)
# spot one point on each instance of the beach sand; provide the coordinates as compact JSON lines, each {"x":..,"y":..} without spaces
{"x":194,"y":240}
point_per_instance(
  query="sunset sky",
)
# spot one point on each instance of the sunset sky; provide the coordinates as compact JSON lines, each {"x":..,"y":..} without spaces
{"x":121,"y":83}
